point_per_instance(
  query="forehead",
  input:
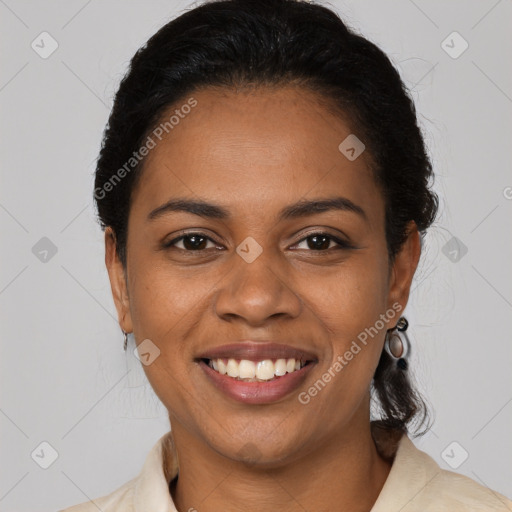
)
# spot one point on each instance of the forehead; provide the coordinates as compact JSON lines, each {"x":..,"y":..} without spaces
{"x":252,"y":148}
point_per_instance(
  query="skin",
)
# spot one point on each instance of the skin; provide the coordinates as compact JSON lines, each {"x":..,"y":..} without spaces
{"x":255,"y":153}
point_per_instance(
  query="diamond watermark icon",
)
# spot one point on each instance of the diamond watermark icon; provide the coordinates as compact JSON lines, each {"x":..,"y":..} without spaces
{"x":454,"y":455}
{"x":454,"y":249}
{"x":249,"y":249}
{"x":250,"y":452}
{"x":351,"y":147}
{"x":44,"y":250}
{"x":454,"y":45}
{"x":44,"y":45}
{"x":146,"y":352}
{"x":44,"y":455}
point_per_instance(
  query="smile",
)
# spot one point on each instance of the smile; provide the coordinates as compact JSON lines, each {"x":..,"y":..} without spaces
{"x":255,"y":371}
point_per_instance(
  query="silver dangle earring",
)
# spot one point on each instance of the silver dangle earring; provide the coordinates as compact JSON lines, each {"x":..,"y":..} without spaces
{"x":125,"y":343}
{"x":397,"y":343}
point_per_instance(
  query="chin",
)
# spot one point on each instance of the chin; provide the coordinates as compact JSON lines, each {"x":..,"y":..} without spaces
{"x":259,"y":448}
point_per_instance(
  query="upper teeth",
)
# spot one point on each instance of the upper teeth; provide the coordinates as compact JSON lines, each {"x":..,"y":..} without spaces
{"x":262,"y":370}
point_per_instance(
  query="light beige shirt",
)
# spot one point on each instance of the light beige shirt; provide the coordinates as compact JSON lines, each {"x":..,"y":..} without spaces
{"x":415,"y":483}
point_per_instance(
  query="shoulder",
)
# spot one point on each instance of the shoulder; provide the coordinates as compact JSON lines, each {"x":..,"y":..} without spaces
{"x":120,"y":499}
{"x":444,"y":490}
{"x":455,"y":490}
{"x":147,"y":491}
{"x":416,"y":483}
{"x":458,"y":492}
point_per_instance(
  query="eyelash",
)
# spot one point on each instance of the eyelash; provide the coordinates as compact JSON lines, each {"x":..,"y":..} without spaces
{"x":341,"y":244}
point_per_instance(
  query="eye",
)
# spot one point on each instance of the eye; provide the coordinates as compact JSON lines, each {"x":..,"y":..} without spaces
{"x":321,"y":242}
{"x":192,"y":242}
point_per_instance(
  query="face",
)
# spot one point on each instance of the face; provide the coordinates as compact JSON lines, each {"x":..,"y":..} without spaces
{"x":252,"y":237}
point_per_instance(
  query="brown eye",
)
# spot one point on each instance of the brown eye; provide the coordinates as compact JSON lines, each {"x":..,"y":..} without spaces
{"x":195,"y":242}
{"x":318,"y":242}
{"x":321,"y":242}
{"x":192,"y":242}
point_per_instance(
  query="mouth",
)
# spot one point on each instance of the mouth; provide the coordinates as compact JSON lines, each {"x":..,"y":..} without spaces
{"x":256,"y":372}
{"x":248,"y":370}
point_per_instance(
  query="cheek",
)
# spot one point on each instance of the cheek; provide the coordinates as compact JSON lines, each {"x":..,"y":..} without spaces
{"x":171,"y":385}
{"x":165,"y":307}
{"x":162,"y":298}
{"x":349,"y":306}
{"x":348,"y":300}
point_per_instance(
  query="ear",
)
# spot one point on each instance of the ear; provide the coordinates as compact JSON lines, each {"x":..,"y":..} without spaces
{"x":403,"y":269}
{"x":118,"y":284}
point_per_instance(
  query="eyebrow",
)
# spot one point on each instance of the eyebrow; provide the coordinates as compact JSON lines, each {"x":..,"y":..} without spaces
{"x":301,"y":208}
{"x":308,"y":207}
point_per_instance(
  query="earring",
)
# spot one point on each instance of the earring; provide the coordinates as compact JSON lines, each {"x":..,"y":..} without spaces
{"x":397,"y":343}
{"x":125,"y":343}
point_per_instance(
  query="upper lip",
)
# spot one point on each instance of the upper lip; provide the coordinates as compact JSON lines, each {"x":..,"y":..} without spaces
{"x":257,"y":351}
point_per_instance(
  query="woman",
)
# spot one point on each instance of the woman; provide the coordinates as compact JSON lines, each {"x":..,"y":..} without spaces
{"x":264,"y":186}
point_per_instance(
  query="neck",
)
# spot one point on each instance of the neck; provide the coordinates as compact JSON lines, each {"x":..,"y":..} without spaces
{"x":345,"y":472}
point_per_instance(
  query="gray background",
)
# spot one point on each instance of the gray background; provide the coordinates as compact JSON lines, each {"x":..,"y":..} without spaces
{"x":64,"y":377}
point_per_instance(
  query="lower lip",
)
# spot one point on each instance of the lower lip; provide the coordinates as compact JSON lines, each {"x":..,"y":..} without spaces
{"x":257,"y":392}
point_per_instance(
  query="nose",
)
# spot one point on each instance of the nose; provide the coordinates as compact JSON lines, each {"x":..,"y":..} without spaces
{"x":255,"y":293}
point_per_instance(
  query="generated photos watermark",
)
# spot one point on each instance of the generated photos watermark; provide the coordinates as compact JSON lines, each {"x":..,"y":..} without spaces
{"x":344,"y":359}
{"x":150,"y":143}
